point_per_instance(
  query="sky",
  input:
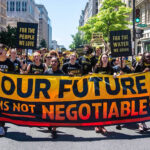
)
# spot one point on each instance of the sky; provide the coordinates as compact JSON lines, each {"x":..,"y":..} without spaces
{"x":64,"y":15}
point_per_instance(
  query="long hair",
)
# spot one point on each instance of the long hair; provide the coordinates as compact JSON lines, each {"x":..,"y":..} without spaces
{"x":142,"y":61}
{"x":100,"y":63}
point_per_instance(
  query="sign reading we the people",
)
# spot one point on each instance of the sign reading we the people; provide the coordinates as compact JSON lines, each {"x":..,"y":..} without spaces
{"x":120,"y":42}
{"x":27,"y":35}
{"x":41,"y":100}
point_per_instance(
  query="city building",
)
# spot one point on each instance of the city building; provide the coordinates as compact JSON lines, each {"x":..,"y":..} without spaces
{"x":3,"y":8}
{"x":43,"y":24}
{"x":93,"y":8}
{"x":81,"y":20}
{"x":22,"y":11}
{"x":49,"y":33}
{"x":54,"y":45}
{"x":144,"y":42}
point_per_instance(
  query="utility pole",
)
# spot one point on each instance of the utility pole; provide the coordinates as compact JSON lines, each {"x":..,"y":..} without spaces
{"x":134,"y":31}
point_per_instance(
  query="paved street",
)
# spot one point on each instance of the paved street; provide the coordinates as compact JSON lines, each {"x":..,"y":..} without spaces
{"x":23,"y":138}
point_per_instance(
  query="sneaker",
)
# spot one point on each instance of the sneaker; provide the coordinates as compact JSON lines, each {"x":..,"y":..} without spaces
{"x":118,"y":127}
{"x":145,"y":128}
{"x":2,"y":131}
{"x":141,"y":128}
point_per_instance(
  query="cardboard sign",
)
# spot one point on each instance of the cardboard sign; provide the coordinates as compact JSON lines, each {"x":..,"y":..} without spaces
{"x":120,"y":42}
{"x":27,"y":35}
{"x":97,"y":39}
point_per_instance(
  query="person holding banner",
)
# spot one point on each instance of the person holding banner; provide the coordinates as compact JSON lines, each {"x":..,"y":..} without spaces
{"x":36,"y":67}
{"x":72,"y":68}
{"x":47,"y":59}
{"x":143,"y":66}
{"x":54,"y":70}
{"x":87,"y":61}
{"x":119,"y":69}
{"x":6,"y":66}
{"x":103,"y":67}
{"x":55,"y":65}
{"x":15,"y":61}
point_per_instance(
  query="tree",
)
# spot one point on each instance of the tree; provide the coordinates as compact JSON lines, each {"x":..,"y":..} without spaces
{"x":77,"y":41}
{"x":113,"y":16}
{"x":43,"y":43}
{"x":9,"y":37}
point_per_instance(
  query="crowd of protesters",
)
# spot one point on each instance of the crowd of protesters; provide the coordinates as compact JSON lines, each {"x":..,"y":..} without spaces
{"x":58,"y":63}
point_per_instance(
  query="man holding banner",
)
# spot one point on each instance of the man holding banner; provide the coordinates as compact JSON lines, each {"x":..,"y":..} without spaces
{"x":5,"y":66}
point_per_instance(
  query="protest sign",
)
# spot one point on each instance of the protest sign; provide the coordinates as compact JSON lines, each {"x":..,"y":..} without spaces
{"x":27,"y":35}
{"x":120,"y":42}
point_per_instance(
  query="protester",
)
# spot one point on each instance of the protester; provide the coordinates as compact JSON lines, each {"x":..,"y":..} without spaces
{"x":103,"y":67}
{"x":15,"y":61}
{"x":143,"y":66}
{"x":119,"y":69}
{"x":6,"y":66}
{"x":87,"y":61}
{"x":54,"y":70}
{"x":47,"y":59}
{"x":36,"y":67}
{"x":72,"y":67}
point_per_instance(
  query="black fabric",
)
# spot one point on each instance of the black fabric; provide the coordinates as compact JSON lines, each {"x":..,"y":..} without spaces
{"x":51,"y":72}
{"x":87,"y":63}
{"x":7,"y":66}
{"x":126,"y":69}
{"x":17,"y":66}
{"x":37,"y":69}
{"x":75,"y":69}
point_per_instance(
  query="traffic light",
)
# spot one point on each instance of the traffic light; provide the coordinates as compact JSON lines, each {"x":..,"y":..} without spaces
{"x":139,"y":33}
{"x":137,"y":15}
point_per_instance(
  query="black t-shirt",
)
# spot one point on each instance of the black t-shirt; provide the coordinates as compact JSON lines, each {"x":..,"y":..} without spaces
{"x":73,"y":69}
{"x":17,"y":66}
{"x":34,"y":68}
{"x":51,"y":72}
{"x":141,"y":67}
{"x":7,"y":66}
{"x":104,"y":70}
{"x":126,"y":69}
{"x":87,"y":62}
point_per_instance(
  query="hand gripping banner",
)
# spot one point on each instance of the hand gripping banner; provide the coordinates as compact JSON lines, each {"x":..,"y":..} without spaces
{"x":40,"y":100}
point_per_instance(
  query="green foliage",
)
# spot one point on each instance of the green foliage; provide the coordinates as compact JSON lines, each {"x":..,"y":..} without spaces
{"x":77,"y":41}
{"x":113,"y":16}
{"x":43,"y":44}
{"x":9,"y":37}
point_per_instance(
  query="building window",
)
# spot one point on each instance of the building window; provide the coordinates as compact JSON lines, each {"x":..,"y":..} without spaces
{"x":17,"y":6}
{"x":24,"y":6}
{"x":129,"y":3}
{"x":7,"y":6}
{"x":12,"y":5}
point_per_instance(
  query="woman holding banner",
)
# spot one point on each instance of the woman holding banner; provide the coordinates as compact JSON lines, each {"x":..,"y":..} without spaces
{"x":54,"y":70}
{"x":6,"y":66}
{"x":36,"y":67}
{"x":72,"y":68}
{"x":143,"y":66}
{"x":103,"y":67}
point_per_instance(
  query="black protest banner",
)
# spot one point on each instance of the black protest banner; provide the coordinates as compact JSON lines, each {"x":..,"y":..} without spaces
{"x":120,"y":42}
{"x":27,"y":35}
